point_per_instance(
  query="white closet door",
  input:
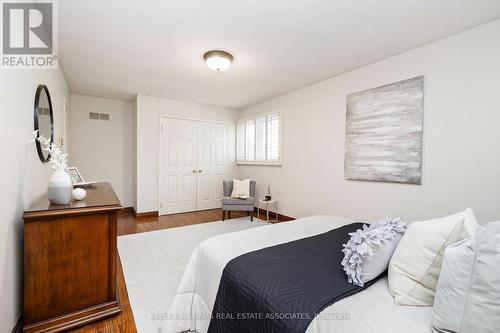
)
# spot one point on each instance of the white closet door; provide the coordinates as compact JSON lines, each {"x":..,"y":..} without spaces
{"x":178,"y":167}
{"x":212,"y":154}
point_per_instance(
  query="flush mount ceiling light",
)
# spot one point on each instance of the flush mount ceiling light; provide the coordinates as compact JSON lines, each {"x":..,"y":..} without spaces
{"x":217,"y":60}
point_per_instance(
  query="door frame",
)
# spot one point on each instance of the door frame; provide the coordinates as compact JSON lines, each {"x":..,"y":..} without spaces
{"x":160,"y":160}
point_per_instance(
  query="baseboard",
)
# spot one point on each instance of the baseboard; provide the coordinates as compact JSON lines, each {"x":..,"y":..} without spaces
{"x":144,"y":214}
{"x":128,"y":210}
{"x":263,"y":212}
{"x":19,"y":325}
{"x":272,"y":215}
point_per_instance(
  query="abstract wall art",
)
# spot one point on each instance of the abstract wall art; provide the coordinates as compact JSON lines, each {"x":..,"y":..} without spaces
{"x":384,"y":133}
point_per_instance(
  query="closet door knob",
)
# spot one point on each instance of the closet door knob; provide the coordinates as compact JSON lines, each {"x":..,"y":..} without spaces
{"x":199,"y":171}
{"x":194,"y":171}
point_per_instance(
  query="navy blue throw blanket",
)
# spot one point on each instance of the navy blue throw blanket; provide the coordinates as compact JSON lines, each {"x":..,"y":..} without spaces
{"x":282,"y":288}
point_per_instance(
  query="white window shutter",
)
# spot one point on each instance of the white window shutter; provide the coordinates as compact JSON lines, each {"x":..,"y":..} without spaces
{"x":240,"y":141}
{"x":273,"y":137}
{"x":260,"y":139}
{"x":250,"y":140}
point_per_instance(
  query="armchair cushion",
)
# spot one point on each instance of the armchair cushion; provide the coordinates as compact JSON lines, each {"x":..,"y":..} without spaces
{"x":236,"y":201}
{"x":227,"y":186}
{"x":241,"y":188}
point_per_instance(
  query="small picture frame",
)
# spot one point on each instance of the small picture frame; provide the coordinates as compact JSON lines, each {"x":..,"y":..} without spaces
{"x":76,"y":176}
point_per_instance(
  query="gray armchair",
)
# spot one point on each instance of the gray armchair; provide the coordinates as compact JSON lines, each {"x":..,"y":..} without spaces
{"x":234,"y":204}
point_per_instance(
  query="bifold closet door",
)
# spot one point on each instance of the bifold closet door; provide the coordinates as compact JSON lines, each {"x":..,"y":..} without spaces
{"x":212,"y":155}
{"x":178,"y":166}
{"x":193,"y":160}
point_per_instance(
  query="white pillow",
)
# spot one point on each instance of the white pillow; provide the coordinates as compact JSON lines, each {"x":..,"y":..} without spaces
{"x":241,"y":188}
{"x":369,"y":250}
{"x":416,"y":263}
{"x":468,"y":292}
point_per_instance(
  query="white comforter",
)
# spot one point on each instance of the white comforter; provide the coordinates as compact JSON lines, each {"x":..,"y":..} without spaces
{"x":371,"y":310}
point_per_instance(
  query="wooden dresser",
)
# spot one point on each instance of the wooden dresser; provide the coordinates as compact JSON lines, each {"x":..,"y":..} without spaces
{"x":70,"y":259}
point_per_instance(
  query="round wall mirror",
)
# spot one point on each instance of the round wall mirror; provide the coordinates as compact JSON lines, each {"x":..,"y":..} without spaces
{"x":44,"y":119}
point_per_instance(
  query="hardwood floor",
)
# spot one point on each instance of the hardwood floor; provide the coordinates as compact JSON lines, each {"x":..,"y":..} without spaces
{"x":128,"y":224}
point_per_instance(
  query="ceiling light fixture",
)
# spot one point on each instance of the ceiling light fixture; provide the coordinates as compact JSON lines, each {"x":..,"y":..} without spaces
{"x":217,"y":60}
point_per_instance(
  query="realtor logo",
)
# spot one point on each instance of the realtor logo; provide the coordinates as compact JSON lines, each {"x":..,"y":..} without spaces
{"x":28,"y":34}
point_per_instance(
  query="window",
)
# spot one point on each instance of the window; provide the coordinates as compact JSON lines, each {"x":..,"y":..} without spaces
{"x":259,"y":139}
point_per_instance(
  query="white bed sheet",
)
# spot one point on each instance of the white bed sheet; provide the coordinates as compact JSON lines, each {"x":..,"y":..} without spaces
{"x":372,"y":310}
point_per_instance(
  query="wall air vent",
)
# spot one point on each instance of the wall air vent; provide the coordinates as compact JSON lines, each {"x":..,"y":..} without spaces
{"x":94,"y":115}
{"x":98,"y":116}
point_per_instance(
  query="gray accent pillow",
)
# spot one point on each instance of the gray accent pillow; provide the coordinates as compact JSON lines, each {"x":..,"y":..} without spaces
{"x":468,"y":291}
{"x":368,"y":252}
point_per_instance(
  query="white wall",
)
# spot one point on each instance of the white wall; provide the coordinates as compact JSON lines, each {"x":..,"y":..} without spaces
{"x":149,"y":111}
{"x":23,"y":177}
{"x":104,"y":150}
{"x":461,"y":162}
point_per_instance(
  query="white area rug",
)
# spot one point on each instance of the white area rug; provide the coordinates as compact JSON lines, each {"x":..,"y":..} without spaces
{"x":153,"y":263}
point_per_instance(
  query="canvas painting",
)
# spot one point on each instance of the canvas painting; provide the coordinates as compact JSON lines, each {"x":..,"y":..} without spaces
{"x":384,"y":133}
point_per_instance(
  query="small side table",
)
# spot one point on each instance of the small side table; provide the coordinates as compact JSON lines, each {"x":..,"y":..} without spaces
{"x":268,"y":203}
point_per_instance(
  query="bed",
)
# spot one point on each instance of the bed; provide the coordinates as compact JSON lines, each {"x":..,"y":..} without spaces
{"x":369,"y":310}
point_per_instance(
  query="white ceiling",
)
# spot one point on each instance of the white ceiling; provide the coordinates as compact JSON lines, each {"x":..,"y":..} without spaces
{"x":118,"y":48}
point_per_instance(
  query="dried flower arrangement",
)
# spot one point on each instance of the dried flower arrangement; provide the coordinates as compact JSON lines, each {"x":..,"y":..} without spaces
{"x":58,"y":159}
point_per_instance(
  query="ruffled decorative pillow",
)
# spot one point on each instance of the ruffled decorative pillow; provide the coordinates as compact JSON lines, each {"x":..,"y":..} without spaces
{"x":368,"y":252}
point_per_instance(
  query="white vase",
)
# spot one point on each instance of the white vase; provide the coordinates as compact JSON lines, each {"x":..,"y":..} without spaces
{"x":59,"y":188}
